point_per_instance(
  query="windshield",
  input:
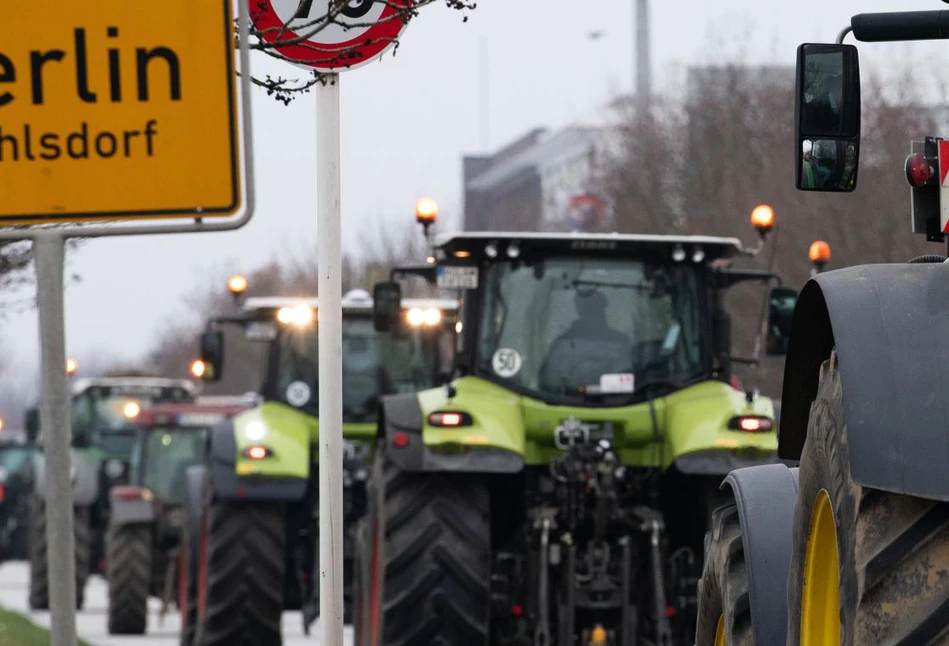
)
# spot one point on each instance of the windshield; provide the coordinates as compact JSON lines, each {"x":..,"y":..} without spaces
{"x":585,"y":330}
{"x":14,"y":459}
{"x":106,"y":415}
{"x":373,"y":364}
{"x":167,"y":454}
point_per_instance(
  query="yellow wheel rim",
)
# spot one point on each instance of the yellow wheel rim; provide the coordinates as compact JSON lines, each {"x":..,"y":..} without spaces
{"x":720,"y":632}
{"x":820,"y":602}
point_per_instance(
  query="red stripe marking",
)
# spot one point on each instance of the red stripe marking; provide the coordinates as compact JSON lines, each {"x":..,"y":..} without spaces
{"x":943,"y":161}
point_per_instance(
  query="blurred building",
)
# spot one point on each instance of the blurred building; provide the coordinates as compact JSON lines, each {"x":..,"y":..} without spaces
{"x":542,"y":181}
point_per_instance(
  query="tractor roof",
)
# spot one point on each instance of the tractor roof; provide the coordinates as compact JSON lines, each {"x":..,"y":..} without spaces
{"x":625,"y":244}
{"x":189,"y":415}
{"x":82,"y":385}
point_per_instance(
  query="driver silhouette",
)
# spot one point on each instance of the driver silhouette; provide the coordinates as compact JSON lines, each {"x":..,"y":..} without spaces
{"x":587,"y":349}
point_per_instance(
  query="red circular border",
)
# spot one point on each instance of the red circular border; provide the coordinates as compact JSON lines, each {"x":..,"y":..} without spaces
{"x":379,"y":38}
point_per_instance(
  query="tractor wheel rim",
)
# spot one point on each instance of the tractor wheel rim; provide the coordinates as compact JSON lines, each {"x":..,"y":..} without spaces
{"x":820,"y":601}
{"x":720,"y":632}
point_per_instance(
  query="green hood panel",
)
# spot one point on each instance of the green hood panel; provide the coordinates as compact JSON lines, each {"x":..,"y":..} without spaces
{"x":690,"y":420}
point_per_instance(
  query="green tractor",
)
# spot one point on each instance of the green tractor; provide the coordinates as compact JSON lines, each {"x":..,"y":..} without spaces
{"x":558,"y":489}
{"x":852,"y":547}
{"x":254,"y":506}
{"x":103,"y":436}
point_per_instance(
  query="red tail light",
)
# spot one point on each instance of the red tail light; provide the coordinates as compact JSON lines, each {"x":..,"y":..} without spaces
{"x":751,"y":424}
{"x":257,"y":452}
{"x":450,"y":419}
{"x":400,"y":440}
{"x":3,"y":493}
{"x":919,"y":169}
{"x":128,"y":493}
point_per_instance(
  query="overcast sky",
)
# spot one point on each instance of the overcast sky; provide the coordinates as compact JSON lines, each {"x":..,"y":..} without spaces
{"x":407,"y":121}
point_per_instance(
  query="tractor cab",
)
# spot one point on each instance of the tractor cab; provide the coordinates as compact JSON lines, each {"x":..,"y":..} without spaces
{"x":411,"y":356}
{"x":147,"y":514}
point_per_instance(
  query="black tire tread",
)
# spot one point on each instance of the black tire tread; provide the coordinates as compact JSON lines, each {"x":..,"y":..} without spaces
{"x":246,"y":566}
{"x":129,"y":573}
{"x":437,"y":567}
{"x":723,"y":586}
{"x":39,"y":568}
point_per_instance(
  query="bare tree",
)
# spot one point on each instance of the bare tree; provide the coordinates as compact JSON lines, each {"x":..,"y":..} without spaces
{"x":176,"y":345}
{"x":701,"y":166}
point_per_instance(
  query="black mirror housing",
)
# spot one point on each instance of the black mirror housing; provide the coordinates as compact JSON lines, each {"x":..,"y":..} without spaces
{"x":32,"y":425}
{"x":827,"y":116}
{"x":386,"y":306}
{"x":212,"y":354}
{"x":781,"y":303}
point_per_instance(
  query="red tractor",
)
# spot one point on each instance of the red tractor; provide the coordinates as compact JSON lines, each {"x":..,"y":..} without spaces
{"x":146,"y":515}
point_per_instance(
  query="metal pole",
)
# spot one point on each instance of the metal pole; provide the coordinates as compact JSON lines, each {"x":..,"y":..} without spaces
{"x":643,"y":66}
{"x":48,"y":252}
{"x":329,"y":238}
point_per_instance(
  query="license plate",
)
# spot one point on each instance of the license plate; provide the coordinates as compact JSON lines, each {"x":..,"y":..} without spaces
{"x":457,"y":277}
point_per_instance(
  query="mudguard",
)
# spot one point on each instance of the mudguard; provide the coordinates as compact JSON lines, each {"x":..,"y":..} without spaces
{"x":402,"y":414}
{"x":194,"y":476}
{"x":226,"y":484}
{"x":764,"y":496}
{"x":125,"y":512}
{"x":889,"y":324}
{"x":85,"y":486}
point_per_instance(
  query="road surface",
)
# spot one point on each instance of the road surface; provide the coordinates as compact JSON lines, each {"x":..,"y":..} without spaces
{"x":91,"y":621}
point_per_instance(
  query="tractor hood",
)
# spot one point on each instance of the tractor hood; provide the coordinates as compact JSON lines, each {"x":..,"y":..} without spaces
{"x":693,"y":421}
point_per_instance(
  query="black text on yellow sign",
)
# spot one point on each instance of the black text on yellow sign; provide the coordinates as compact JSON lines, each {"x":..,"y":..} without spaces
{"x":117,"y":109}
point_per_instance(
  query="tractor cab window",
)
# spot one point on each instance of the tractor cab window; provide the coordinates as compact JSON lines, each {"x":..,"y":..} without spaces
{"x":165,"y":457}
{"x":106,"y":416}
{"x":373,"y":364}
{"x":589,"y":330}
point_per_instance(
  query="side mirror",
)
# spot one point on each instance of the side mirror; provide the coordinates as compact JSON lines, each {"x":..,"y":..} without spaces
{"x":212,"y":354}
{"x":32,"y":424}
{"x":386,"y":306}
{"x":781,"y":304}
{"x":827,"y":113}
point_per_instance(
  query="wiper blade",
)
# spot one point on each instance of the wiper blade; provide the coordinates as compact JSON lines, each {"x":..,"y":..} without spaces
{"x":597,"y":283}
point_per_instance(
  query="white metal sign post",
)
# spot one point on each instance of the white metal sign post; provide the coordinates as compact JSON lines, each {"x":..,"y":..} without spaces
{"x":94,"y":146}
{"x":330,"y":36}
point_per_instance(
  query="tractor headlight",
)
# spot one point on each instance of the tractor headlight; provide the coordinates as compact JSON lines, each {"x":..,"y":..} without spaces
{"x":114,"y":468}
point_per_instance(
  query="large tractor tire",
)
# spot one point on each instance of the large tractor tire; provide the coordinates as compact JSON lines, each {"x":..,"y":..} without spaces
{"x":129,"y":573}
{"x":361,"y":577}
{"x":724,"y":614}
{"x":430,"y":551}
{"x":188,"y":557}
{"x":39,"y":567}
{"x":742,"y":593}
{"x":867,"y":566}
{"x":241,"y":565}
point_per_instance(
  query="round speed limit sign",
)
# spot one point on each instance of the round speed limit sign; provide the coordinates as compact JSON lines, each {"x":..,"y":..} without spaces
{"x":359,"y":32}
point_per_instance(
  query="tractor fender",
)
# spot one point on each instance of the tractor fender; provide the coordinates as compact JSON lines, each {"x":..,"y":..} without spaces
{"x":764,"y":496}
{"x":402,"y":414}
{"x":227,"y":485}
{"x":889,"y":325}
{"x":127,"y":512}
{"x":194,"y":492}
{"x":85,"y":480}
